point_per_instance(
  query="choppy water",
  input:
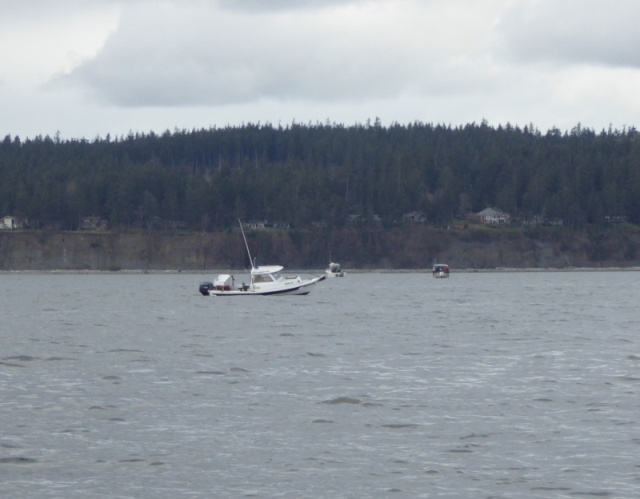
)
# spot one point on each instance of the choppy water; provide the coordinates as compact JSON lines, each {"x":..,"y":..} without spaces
{"x":496,"y":385}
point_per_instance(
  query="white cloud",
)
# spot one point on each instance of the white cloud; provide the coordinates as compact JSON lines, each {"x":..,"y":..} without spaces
{"x":252,"y":6}
{"x":204,"y":55}
{"x":209,"y":56}
{"x":114,"y":66}
{"x":573,"y":31}
{"x":36,"y":46}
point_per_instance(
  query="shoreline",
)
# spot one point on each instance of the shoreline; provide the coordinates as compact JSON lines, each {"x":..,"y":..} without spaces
{"x":213,"y":272}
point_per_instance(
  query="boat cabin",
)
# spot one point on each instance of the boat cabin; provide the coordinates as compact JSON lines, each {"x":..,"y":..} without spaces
{"x":440,"y":270}
{"x":266,"y":273}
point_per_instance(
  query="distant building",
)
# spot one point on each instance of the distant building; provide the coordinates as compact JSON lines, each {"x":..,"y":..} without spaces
{"x":354,"y":219}
{"x":415,"y":217}
{"x":493,"y":216}
{"x":615,"y":219}
{"x":264,"y":224}
{"x":93,"y":223}
{"x":9,"y":222}
{"x":539,"y":220}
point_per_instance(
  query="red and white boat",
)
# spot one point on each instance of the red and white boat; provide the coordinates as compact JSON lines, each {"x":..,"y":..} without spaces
{"x":440,"y":270}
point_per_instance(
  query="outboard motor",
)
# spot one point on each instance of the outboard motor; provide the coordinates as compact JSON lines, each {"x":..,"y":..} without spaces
{"x":205,"y":287}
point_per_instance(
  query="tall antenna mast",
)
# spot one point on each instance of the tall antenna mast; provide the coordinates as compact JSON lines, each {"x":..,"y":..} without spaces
{"x":245,"y":244}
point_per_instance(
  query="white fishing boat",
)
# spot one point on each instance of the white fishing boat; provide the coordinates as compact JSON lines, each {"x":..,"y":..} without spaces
{"x":264,"y":280}
{"x":334,"y":270}
{"x":440,"y":270}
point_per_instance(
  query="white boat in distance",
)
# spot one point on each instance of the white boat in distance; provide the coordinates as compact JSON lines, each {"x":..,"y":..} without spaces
{"x":440,"y":270}
{"x":264,"y":280}
{"x":334,"y":270}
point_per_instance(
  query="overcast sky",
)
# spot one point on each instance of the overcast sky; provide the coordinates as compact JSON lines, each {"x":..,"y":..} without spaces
{"x":88,"y":68}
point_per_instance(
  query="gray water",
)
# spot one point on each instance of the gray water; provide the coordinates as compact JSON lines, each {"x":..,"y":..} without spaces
{"x":498,"y":385}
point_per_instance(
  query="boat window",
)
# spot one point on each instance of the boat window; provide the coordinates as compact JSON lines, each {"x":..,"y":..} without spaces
{"x":276,"y":276}
{"x":262,"y":278}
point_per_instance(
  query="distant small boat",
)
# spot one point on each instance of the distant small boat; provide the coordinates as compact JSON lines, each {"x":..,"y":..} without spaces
{"x":440,"y":270}
{"x":334,"y":270}
{"x":264,"y":280}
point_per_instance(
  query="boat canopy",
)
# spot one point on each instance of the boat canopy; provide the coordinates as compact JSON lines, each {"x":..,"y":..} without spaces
{"x":266,"y":269}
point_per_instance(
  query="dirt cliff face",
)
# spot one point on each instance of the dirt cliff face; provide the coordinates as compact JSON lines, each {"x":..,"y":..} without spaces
{"x":358,"y":249}
{"x":112,"y":251}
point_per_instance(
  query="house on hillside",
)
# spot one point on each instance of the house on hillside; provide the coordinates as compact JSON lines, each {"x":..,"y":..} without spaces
{"x":93,"y":223}
{"x":9,"y":222}
{"x":264,"y":224}
{"x":493,"y":216}
{"x":256,"y":224}
{"x":359,"y":220}
{"x":414,"y":217}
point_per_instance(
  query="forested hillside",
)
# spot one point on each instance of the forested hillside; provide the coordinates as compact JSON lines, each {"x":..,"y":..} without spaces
{"x":303,"y":175}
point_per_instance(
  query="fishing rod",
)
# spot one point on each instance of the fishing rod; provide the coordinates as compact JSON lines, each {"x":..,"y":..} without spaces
{"x":246,"y":245}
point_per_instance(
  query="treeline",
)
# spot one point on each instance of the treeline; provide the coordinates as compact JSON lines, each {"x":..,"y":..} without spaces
{"x":323,"y":173}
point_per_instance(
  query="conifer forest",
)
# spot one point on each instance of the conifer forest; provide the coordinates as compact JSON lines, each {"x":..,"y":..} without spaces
{"x":323,"y":175}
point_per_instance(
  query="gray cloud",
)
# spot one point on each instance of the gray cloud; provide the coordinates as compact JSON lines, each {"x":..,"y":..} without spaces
{"x":573,"y":31}
{"x":142,"y":65}
{"x":178,"y":57}
{"x":280,"y":5}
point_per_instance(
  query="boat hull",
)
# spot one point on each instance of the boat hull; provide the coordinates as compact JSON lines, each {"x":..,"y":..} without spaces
{"x":334,"y":270}
{"x":298,"y":288}
{"x":440,"y":270}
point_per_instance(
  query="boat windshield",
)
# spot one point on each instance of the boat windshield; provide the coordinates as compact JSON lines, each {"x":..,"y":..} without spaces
{"x":262,"y":278}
